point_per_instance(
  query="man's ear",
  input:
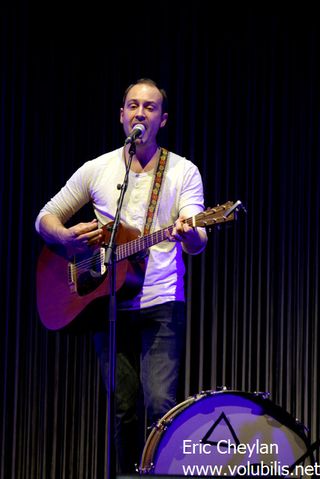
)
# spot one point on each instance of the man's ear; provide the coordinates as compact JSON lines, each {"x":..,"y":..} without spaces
{"x":164,"y":120}
{"x":121,"y":115}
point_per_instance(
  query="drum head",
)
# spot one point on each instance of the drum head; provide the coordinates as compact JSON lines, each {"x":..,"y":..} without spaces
{"x":225,"y":433}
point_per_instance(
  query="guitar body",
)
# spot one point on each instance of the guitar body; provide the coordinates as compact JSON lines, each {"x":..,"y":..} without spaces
{"x":61,"y":300}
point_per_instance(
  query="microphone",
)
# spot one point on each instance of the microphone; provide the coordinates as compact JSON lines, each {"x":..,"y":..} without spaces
{"x":137,"y":132}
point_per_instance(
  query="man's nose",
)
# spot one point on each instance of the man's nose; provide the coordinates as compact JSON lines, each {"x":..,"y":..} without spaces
{"x":140,"y":113}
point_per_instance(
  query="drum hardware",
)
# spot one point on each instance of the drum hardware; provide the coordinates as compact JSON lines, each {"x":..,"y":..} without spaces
{"x":144,"y":470}
{"x":263,"y":394}
{"x":206,"y":392}
{"x":162,"y":425}
{"x":220,"y":388}
{"x":302,"y":426}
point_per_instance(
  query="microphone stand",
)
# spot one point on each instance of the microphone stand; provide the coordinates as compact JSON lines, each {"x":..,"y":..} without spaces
{"x":110,"y":262}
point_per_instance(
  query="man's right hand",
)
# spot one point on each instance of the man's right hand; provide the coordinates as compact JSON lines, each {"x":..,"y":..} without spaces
{"x":76,"y":239}
{"x":80,"y":237}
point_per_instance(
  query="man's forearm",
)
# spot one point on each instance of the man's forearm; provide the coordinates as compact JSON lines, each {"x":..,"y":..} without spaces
{"x":51,"y":229}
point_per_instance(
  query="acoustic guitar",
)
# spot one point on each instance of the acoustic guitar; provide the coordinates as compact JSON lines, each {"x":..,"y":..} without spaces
{"x":67,"y":286}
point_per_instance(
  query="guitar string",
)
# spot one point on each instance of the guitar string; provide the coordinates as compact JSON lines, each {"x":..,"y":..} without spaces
{"x":126,"y":249}
{"x":133,"y":246}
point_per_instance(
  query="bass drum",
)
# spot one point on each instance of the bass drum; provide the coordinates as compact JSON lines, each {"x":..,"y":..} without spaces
{"x":226,"y":433}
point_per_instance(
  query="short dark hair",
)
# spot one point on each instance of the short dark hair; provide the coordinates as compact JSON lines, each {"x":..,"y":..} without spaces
{"x":150,"y":82}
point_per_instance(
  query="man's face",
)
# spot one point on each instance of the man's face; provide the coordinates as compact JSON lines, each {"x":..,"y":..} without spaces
{"x":143,"y":104}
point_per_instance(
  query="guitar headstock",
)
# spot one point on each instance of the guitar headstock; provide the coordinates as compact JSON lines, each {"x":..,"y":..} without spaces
{"x":218,"y":214}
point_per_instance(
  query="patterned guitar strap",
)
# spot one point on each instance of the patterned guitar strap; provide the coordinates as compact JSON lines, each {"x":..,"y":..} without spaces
{"x":158,"y":177}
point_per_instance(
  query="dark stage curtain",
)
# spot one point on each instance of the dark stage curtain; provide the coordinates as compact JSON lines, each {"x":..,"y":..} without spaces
{"x":243,"y":95}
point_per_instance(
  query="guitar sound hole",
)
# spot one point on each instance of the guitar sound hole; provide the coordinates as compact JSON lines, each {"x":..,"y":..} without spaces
{"x":89,"y":279}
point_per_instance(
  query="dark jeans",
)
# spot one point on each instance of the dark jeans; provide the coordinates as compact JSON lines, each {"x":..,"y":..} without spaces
{"x":150,"y":342}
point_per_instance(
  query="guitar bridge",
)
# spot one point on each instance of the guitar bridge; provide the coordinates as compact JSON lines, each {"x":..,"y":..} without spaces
{"x":103,"y":267}
{"x":72,"y":277}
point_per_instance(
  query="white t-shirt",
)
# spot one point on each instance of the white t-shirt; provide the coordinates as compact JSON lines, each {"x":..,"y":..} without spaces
{"x":181,"y":193}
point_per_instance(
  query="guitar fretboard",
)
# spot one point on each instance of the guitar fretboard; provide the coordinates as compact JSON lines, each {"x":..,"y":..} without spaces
{"x":139,"y":244}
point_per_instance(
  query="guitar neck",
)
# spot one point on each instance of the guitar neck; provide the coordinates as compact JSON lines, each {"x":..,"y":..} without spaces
{"x":211,"y":216}
{"x":139,"y":244}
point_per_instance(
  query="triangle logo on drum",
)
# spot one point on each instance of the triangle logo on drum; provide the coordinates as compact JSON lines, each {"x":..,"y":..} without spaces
{"x":221,"y":431}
